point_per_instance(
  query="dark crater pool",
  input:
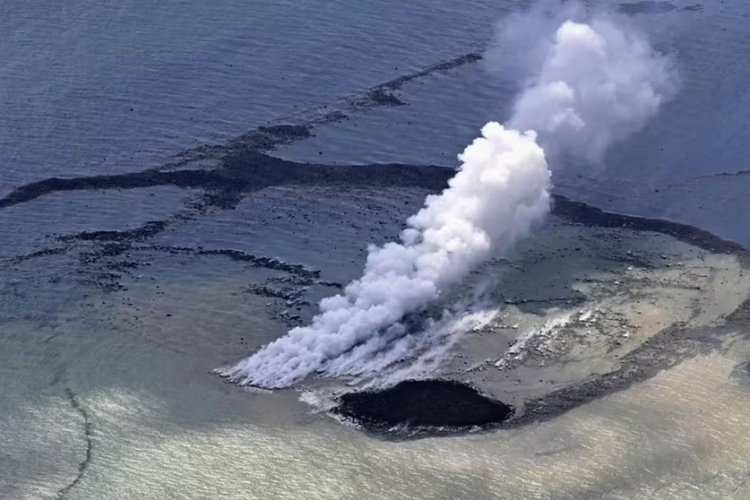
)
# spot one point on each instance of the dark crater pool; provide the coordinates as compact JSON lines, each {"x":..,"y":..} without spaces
{"x":423,"y":404}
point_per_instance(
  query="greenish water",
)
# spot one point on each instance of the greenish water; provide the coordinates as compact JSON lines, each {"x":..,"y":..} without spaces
{"x":132,"y":400}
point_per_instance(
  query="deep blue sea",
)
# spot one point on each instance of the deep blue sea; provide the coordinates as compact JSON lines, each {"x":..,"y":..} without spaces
{"x":102,"y":87}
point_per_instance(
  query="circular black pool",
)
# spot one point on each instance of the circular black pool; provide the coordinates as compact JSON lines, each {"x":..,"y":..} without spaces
{"x":423,"y":404}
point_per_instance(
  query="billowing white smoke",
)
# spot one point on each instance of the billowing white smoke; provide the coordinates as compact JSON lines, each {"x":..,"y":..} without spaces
{"x":597,"y":84}
{"x":500,"y":191}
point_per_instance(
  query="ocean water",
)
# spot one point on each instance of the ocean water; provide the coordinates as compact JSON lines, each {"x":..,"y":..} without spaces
{"x":107,"y":394}
{"x":98,"y":87}
{"x":103,"y":87}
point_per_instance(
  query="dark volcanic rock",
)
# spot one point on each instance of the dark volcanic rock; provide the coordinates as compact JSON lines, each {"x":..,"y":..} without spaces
{"x":646,"y":7}
{"x":287,"y":131}
{"x":424,"y":404}
{"x":383,"y":98}
{"x":655,"y":7}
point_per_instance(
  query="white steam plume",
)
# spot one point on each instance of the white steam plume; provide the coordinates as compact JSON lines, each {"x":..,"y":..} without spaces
{"x":500,"y":191}
{"x":596,"y":85}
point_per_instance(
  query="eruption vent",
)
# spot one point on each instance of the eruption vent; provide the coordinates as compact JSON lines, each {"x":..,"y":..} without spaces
{"x":597,"y":84}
